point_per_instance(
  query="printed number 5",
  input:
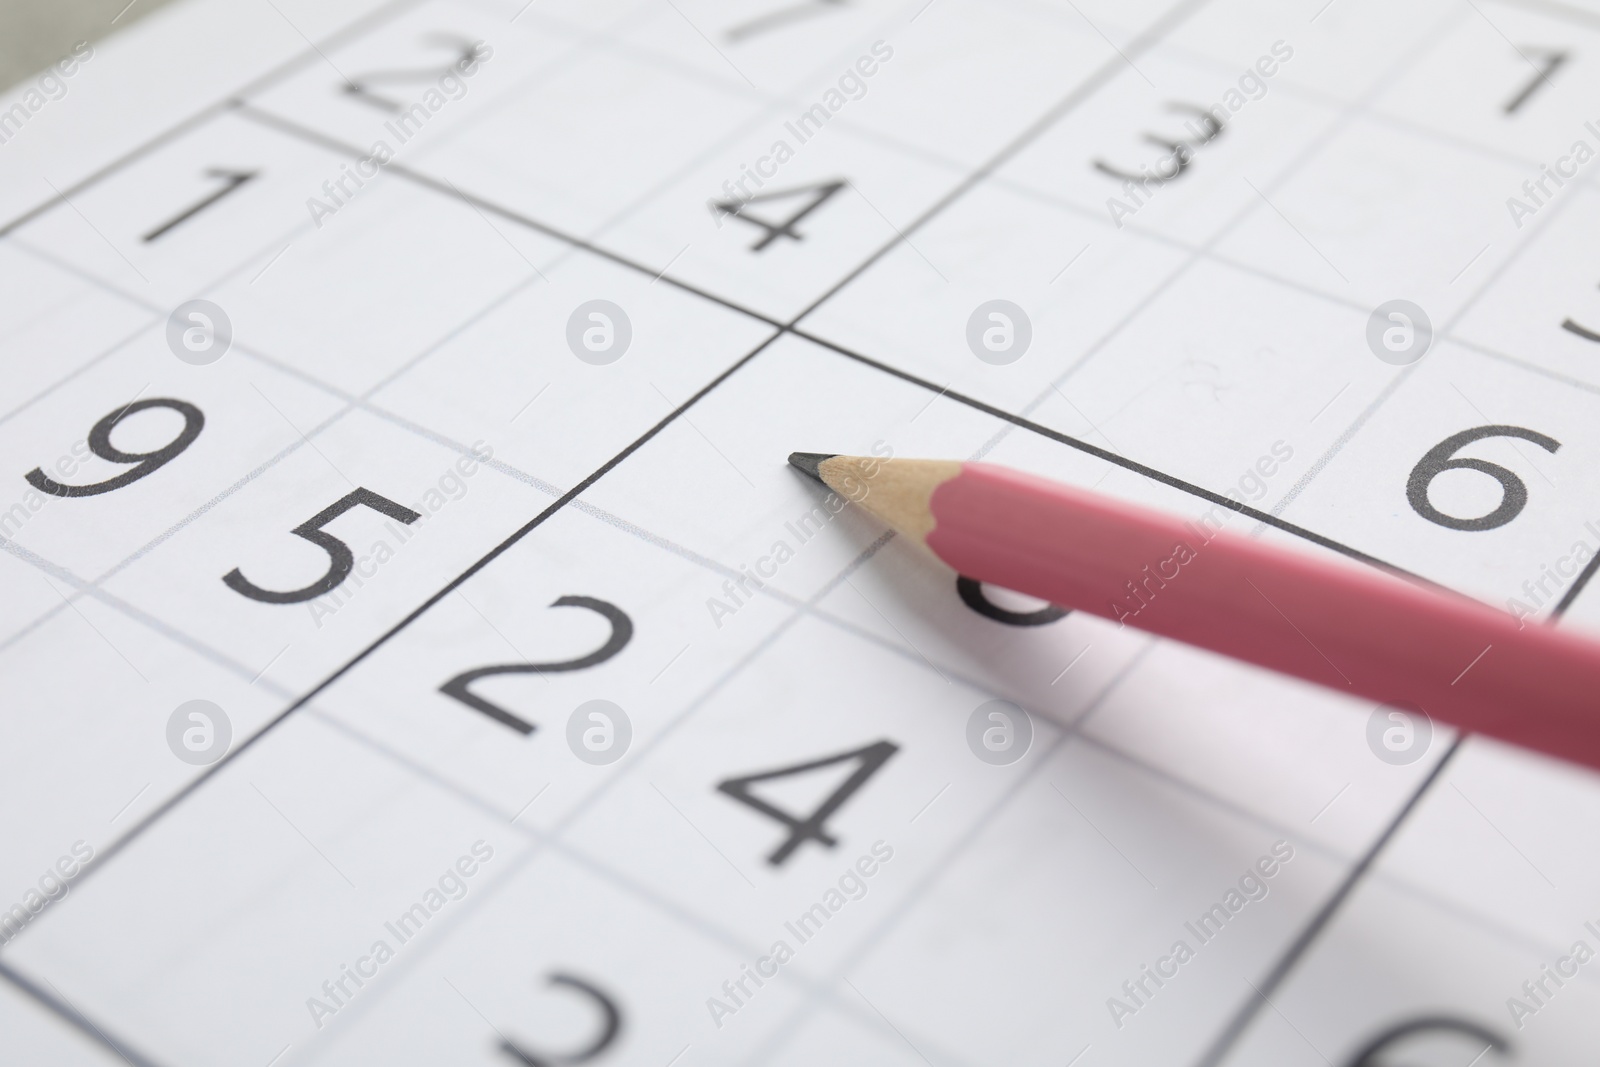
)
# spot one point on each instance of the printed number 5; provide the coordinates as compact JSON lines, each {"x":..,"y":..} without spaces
{"x":340,"y":559}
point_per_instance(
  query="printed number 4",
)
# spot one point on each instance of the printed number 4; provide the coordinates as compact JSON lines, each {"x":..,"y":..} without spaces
{"x":771,"y":231}
{"x":812,"y":827}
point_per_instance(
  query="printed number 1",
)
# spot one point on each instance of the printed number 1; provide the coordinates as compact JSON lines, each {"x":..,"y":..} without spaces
{"x":231,"y":180}
{"x":1542,"y":73}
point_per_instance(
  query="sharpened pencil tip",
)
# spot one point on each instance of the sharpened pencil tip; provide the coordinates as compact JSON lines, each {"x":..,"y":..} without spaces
{"x":809,"y":462}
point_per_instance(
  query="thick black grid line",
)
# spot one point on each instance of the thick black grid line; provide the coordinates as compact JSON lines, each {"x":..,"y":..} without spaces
{"x":1082,"y":92}
{"x":446,"y":189}
{"x":1297,"y":949}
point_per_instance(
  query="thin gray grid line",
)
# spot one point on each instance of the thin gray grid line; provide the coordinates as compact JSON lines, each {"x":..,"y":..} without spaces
{"x":244,"y":349}
{"x":54,"y":1003}
{"x":595,"y":865}
{"x":910,"y":657}
{"x":507,"y":96}
{"x":316,"y":137}
{"x":484,"y":561}
{"x":1517,"y":250}
{"x":1102,"y":835}
{"x":97,"y":232}
{"x":808,"y":608}
{"x":1279,"y":972}
{"x":1491,"y":925}
{"x":1082,"y":91}
{"x":785,"y":1030}
{"x":581,"y":41}
{"x":1523,"y":364}
{"x":1446,"y":329}
{"x":288,"y":450}
{"x":909,"y":654}
{"x":773,"y":105}
{"x":1315,"y":145}
{"x":294,"y":129}
{"x":92,"y":362}
{"x":1308,"y":152}
{"x":356,"y":28}
{"x":454,"y":130}
{"x":570,"y":249}
{"x":667,"y":730}
{"x":574,"y":853}
{"x":1371,"y":112}
{"x":151,"y":622}
{"x":1212,"y":255}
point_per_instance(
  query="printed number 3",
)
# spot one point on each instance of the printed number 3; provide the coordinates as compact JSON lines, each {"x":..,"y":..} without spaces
{"x":340,"y":559}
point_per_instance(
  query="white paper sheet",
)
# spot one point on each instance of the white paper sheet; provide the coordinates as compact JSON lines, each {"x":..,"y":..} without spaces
{"x":514,"y":310}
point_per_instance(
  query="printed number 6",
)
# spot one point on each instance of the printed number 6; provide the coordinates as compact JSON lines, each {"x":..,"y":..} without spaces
{"x":1440,"y":458}
{"x":340,"y":559}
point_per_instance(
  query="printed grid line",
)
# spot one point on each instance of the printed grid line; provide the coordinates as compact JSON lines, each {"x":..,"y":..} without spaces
{"x":122,"y":842}
{"x":1202,"y":251}
{"x":818,"y":302}
{"x":572,"y":246}
{"x":361,"y":26}
{"x":597,"y":867}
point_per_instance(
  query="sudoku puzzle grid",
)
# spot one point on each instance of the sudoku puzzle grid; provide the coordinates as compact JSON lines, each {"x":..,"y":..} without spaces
{"x":522,"y":307}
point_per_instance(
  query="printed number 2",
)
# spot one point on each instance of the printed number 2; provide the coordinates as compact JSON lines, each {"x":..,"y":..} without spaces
{"x":362,"y":86}
{"x":460,"y":687}
{"x":340,"y":559}
{"x":813,"y":826}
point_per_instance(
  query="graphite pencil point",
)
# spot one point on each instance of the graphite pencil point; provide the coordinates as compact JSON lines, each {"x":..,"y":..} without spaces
{"x":808,"y":462}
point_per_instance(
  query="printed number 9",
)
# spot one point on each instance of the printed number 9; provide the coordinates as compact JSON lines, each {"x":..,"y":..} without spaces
{"x":1441,"y":458}
{"x":143,"y":463}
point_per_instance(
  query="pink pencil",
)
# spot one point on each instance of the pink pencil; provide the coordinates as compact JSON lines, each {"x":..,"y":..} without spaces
{"x":1351,"y":628}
